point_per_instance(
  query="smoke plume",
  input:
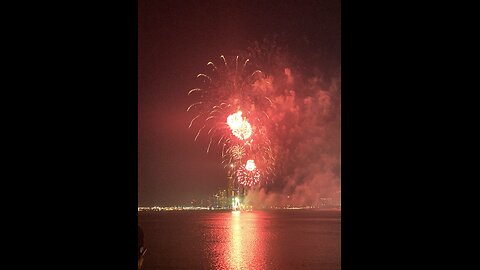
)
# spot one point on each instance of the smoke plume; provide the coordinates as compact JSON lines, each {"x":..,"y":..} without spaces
{"x":305,"y":132}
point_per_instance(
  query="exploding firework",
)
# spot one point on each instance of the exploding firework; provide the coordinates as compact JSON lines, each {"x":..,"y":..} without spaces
{"x":225,"y":90}
{"x":232,"y":103}
{"x":248,"y":174}
{"x":250,"y":166}
{"x":284,"y":129}
{"x":240,"y":127}
{"x":249,"y":143}
{"x":237,"y":152}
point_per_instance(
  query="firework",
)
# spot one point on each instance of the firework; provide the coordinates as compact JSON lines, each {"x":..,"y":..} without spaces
{"x":235,"y":120}
{"x":231,"y":108}
{"x":237,"y":152}
{"x":240,"y":127}
{"x":223,"y":91}
{"x":248,"y":174}
{"x":250,"y":166}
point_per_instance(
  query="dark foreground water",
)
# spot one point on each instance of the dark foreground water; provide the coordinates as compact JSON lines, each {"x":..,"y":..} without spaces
{"x":277,"y":239}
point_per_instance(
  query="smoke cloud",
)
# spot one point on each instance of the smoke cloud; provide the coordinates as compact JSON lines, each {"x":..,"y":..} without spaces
{"x":305,"y":133}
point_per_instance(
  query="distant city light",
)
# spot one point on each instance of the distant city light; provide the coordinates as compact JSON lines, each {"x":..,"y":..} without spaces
{"x":222,"y":202}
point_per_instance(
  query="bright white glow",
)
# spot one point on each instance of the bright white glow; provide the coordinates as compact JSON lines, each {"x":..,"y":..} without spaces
{"x":250,"y":165}
{"x":235,"y":120}
{"x":240,"y":127}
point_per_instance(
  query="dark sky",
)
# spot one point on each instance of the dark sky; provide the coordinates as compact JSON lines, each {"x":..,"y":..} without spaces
{"x":175,"y":41}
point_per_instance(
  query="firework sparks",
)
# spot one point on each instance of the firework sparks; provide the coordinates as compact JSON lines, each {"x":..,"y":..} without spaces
{"x":235,"y":93}
{"x":235,"y":120}
{"x":237,"y":152}
{"x":248,"y":174}
{"x":240,"y":127}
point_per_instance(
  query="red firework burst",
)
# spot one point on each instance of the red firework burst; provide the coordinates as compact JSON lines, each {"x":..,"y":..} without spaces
{"x":248,"y":174}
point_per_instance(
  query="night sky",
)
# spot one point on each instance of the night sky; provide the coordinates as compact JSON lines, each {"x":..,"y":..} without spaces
{"x":175,"y":41}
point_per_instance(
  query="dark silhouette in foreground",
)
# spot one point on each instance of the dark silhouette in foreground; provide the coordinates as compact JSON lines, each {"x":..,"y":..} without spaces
{"x":141,"y":248}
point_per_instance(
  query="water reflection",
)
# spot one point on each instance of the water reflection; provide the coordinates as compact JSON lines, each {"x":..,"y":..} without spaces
{"x":280,"y":240}
{"x":242,"y":248}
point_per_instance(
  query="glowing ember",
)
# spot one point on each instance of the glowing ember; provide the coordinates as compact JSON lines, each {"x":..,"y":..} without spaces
{"x":240,"y":127}
{"x":250,"y":165}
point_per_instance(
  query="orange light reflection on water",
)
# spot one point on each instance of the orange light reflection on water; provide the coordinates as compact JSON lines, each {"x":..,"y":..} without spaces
{"x":244,"y":249}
